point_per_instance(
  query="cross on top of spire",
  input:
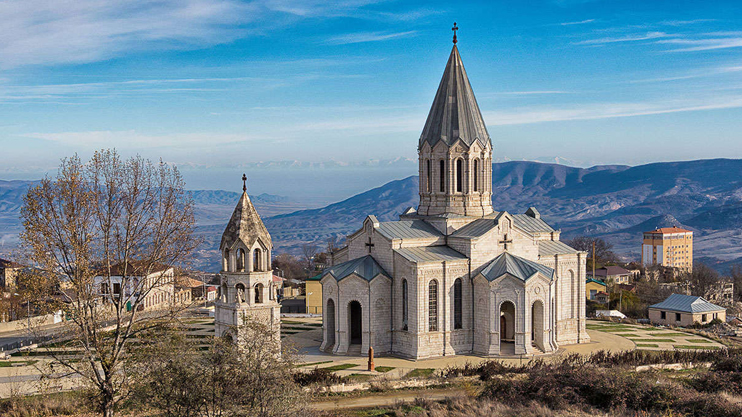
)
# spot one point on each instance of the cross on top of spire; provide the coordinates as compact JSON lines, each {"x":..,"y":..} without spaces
{"x":244,"y":182}
{"x":454,"y":29}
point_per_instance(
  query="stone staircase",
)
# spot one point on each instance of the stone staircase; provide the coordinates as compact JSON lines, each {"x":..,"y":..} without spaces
{"x":354,"y":350}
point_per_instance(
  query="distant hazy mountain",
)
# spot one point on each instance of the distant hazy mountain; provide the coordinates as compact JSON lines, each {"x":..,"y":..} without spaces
{"x":613,"y":202}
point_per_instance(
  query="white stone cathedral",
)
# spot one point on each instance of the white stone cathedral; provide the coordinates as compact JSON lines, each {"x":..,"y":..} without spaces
{"x":246,"y":290}
{"x":454,"y":276}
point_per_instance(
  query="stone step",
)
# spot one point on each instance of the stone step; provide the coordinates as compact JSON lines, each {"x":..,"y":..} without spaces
{"x":354,"y":350}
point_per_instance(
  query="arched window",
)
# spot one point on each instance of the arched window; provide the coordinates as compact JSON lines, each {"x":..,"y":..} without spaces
{"x":457,"y":310}
{"x":427,"y":176}
{"x":240,"y":293}
{"x":256,"y":259}
{"x":476,"y":175}
{"x":258,"y":293}
{"x":241,"y":260}
{"x":405,"y":307}
{"x":459,"y":175}
{"x":433,"y":306}
{"x":443,"y":175}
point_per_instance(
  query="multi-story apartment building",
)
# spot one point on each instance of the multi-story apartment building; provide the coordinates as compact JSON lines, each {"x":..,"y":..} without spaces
{"x":668,"y":246}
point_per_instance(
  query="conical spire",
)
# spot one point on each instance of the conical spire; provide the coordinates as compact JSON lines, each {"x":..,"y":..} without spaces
{"x":455,"y":113}
{"x":245,"y":225}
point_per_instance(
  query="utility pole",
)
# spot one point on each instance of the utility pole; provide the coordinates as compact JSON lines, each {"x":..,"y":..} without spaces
{"x":593,"y":259}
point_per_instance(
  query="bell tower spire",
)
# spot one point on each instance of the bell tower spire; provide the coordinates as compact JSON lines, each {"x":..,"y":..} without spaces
{"x":455,"y":149}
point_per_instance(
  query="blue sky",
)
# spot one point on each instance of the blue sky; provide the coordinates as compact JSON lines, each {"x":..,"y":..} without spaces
{"x":221,"y":86}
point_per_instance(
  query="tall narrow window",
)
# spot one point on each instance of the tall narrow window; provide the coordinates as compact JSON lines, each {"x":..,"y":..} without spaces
{"x":459,"y":175}
{"x":257,"y":254}
{"x":433,"y":306}
{"x":457,"y":311}
{"x":443,"y":176}
{"x":427,"y":176}
{"x":404,"y":304}
{"x":476,"y":175}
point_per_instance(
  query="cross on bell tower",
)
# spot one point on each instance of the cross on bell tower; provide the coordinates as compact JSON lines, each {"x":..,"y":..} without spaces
{"x":454,"y":29}
{"x":244,"y":182}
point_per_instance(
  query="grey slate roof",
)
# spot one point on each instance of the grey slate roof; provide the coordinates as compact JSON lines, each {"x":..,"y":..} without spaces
{"x":516,"y":266}
{"x":686,"y":304}
{"x":475,"y":229}
{"x":454,"y":114}
{"x":245,"y":224}
{"x":531,"y":225}
{"x":431,"y":254}
{"x":365,"y":267}
{"x":408,"y":229}
{"x":554,"y":247}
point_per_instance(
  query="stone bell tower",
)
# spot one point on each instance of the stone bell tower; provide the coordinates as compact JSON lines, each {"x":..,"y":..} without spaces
{"x":455,"y":150}
{"x":246,"y":288}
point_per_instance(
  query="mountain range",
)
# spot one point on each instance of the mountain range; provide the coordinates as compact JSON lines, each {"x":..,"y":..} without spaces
{"x":614,"y":202}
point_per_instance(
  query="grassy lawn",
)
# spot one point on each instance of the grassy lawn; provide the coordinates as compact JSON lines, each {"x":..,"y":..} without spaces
{"x":635,"y":340}
{"x":420,"y":373}
{"x":291,"y":322}
{"x":301,"y":365}
{"x":668,"y":333}
{"x":384,"y":368}
{"x":646,"y":345}
{"x":341,"y":367}
{"x":294,"y":328}
{"x":8,"y":364}
{"x":698,"y":341}
{"x":696,"y":347}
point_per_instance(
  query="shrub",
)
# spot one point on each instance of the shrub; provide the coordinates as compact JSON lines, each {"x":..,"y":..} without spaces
{"x":319,"y":376}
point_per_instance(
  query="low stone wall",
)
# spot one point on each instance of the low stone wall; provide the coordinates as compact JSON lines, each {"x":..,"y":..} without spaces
{"x":19,"y":325}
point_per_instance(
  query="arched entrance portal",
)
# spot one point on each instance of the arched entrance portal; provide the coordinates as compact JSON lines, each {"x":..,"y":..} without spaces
{"x":355,"y":323}
{"x":537,"y":325}
{"x":330,"y":324}
{"x":507,"y":322}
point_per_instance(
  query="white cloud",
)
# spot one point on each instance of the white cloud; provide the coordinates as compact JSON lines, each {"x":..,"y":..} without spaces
{"x":50,"y":32}
{"x":581,"y":22}
{"x":132,"y":139}
{"x":691,"y":45}
{"x":361,"y":37}
{"x":594,"y":111}
{"x":628,"y":38}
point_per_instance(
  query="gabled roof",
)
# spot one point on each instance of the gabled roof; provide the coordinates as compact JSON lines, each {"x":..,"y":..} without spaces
{"x":686,"y":304}
{"x":365,"y":267}
{"x":516,"y":266}
{"x":455,"y":113}
{"x":408,"y":229}
{"x":554,"y":247}
{"x":475,"y":229}
{"x":246,"y":225}
{"x":595,"y":281}
{"x":431,"y":254}
{"x":4,"y":263}
{"x":611,"y":271}
{"x":531,"y":224}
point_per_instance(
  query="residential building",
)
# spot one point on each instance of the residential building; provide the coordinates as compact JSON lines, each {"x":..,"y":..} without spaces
{"x":668,"y":246}
{"x":314,"y":295}
{"x":129,"y":280}
{"x":612,"y":273}
{"x":8,"y":274}
{"x":685,"y":310}
{"x":593,"y":287}
{"x":602,"y":297}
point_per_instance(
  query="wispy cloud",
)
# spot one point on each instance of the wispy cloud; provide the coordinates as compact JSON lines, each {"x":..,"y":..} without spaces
{"x":594,"y":111}
{"x":691,"y":45}
{"x":361,"y":37}
{"x":627,"y":38}
{"x":685,"y":22}
{"x":581,"y":22}
{"x":527,"y":93}
{"x":132,"y":139}
{"x":706,"y":72}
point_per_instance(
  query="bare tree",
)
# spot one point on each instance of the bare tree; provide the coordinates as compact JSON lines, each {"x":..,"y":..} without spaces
{"x":603,"y":252}
{"x":308,"y":250}
{"x":122,"y":223}
{"x":702,"y":278}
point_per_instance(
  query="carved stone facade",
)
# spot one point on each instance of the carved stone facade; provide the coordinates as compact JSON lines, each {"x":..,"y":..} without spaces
{"x":454,"y":276}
